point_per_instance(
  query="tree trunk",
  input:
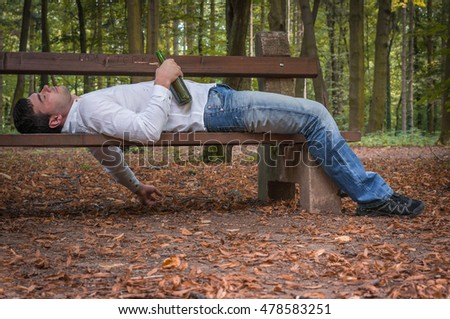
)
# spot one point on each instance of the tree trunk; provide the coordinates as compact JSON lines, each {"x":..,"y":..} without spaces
{"x":99,"y":36}
{"x":175,"y":32}
{"x":431,"y":82}
{"x":45,"y":37}
{"x":134,"y":31}
{"x":201,"y":28}
{"x":212,"y":25}
{"x":410,"y":75}
{"x":300,"y":83}
{"x":237,"y":22}
{"x":388,"y":83}
{"x":263,"y":15}
{"x":295,"y":26}
{"x":152,"y":26}
{"x":377,"y":110}
{"x":404,"y":84}
{"x":277,"y":15}
{"x":20,"y":86}
{"x":250,"y":32}
{"x":445,"y":118}
{"x":310,"y":50}
{"x":334,"y":20}
{"x":190,"y":29}
{"x":356,"y":59}
{"x":83,"y":43}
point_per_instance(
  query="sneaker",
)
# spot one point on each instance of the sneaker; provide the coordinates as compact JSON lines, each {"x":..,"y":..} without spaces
{"x":396,"y":205}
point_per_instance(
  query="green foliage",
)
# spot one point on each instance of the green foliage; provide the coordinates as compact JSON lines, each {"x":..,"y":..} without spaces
{"x":185,"y":24}
{"x":7,"y":130}
{"x":392,"y":138}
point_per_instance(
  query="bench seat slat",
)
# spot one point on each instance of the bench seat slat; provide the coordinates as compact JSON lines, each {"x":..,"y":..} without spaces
{"x":167,"y":139}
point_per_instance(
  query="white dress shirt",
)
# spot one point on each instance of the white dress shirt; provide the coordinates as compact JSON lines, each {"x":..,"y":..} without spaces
{"x":137,"y":112}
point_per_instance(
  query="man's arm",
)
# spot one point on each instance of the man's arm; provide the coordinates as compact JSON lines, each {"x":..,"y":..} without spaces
{"x":112,"y":157}
{"x":114,"y":163}
{"x":104,"y":114}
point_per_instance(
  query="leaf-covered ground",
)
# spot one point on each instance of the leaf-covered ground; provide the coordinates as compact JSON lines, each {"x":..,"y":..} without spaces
{"x":68,"y":231}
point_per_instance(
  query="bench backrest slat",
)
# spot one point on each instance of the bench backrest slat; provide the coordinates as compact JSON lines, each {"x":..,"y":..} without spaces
{"x":135,"y":64}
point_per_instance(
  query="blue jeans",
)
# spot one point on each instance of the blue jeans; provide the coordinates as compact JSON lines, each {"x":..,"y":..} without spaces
{"x":228,"y":110}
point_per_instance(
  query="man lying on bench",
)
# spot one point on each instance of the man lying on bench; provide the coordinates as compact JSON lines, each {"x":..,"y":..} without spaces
{"x":143,"y":111}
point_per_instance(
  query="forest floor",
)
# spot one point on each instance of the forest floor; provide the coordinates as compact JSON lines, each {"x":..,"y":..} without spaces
{"x":68,"y":231}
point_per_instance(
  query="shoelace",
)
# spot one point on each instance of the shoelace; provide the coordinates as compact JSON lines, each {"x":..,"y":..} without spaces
{"x":401,"y":199}
{"x":401,"y":208}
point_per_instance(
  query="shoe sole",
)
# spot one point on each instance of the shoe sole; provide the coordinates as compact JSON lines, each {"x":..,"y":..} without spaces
{"x":374,"y":213}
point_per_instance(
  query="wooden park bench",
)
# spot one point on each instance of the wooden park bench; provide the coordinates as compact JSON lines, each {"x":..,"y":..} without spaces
{"x":277,"y":174}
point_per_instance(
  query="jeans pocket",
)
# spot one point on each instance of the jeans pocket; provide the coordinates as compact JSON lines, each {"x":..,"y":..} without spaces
{"x":223,"y":120}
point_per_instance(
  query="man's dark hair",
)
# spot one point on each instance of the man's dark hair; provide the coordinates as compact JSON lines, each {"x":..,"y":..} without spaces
{"x":26,"y":121}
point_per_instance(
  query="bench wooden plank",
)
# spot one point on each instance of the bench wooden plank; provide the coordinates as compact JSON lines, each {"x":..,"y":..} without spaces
{"x":138,"y":65}
{"x":167,"y":139}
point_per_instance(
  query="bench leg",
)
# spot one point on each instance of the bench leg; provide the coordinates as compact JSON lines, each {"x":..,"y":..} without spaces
{"x":277,"y":175}
{"x":317,"y":191}
{"x":270,"y":184}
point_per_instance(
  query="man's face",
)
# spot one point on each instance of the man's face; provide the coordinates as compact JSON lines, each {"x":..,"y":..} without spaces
{"x":51,"y":100}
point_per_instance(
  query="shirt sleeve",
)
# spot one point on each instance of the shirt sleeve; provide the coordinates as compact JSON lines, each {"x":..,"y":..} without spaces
{"x":112,"y":159}
{"x":104,"y":115}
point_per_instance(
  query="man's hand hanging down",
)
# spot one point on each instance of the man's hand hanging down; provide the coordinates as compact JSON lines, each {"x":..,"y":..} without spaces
{"x":146,"y":194}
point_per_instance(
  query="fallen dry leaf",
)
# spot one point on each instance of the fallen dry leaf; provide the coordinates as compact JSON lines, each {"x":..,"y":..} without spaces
{"x":343,"y":239}
{"x":171,"y":262}
{"x":69,"y":232}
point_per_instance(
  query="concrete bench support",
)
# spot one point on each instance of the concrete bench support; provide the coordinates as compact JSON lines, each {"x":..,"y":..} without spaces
{"x":281,"y":167}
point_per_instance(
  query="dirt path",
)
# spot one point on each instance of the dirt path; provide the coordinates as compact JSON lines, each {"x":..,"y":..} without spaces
{"x":68,"y":231}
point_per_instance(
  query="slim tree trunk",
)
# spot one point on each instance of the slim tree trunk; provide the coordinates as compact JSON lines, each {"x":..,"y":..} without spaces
{"x":310,"y":50}
{"x":152,"y":26}
{"x":388,"y":85}
{"x":250,"y":33}
{"x":377,"y":110}
{"x":263,"y":16}
{"x":404,"y":83}
{"x":201,"y":28}
{"x":212,"y":25}
{"x":334,"y":22}
{"x":300,"y":83}
{"x":237,"y":22}
{"x":175,"y":31}
{"x":20,"y":86}
{"x":83,"y":43}
{"x":45,"y":37}
{"x":134,"y":26}
{"x":134,"y":31}
{"x":190,"y":28}
{"x":430,"y":52}
{"x":99,"y":36}
{"x":356,"y":94}
{"x":410,"y":75}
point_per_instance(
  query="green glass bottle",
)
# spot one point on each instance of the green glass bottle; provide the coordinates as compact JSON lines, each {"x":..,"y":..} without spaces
{"x":178,"y":87}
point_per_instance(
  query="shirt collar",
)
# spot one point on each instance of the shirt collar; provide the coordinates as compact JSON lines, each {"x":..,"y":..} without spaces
{"x":71,"y":121}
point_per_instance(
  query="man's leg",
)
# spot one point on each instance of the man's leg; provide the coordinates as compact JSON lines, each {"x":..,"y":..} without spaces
{"x":230,"y":110}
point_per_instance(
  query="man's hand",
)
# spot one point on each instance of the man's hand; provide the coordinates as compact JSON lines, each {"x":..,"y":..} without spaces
{"x":167,"y":72}
{"x":146,"y":194}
